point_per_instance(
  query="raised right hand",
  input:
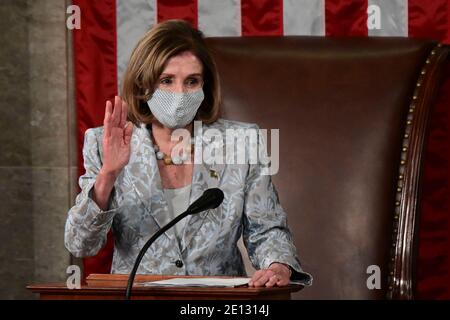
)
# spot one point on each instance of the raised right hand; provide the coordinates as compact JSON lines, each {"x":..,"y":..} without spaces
{"x":116,"y":137}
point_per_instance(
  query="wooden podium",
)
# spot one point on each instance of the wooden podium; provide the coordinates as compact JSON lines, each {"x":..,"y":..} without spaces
{"x":112,"y":287}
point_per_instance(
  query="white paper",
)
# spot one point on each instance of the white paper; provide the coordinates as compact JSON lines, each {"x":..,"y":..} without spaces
{"x":198,"y":282}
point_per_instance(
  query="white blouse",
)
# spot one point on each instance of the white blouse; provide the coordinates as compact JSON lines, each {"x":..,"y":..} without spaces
{"x":178,"y":201}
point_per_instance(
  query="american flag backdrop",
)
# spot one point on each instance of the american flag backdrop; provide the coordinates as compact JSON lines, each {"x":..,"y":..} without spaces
{"x":111,"y":28}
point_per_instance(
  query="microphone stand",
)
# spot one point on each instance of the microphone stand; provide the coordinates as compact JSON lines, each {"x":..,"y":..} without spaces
{"x":145,"y":248}
{"x":210,"y":199}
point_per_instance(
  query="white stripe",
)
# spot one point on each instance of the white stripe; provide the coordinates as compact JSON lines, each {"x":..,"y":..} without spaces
{"x":393,"y":18}
{"x":134,"y":19}
{"x":406,"y":22}
{"x":219,"y":17}
{"x":304,"y":17}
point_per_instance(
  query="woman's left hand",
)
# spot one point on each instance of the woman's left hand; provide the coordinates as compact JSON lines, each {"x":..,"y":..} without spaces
{"x":277,"y":274}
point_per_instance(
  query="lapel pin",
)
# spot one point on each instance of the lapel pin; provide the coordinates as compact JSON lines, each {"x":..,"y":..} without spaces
{"x":213,"y":174}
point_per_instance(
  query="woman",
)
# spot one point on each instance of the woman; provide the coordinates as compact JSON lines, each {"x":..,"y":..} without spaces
{"x":135,"y":184}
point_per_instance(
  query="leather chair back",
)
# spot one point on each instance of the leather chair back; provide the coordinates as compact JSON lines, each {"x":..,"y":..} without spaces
{"x":352,"y":115}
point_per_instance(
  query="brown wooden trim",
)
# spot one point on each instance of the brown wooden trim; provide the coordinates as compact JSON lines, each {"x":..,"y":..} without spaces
{"x":405,"y":232}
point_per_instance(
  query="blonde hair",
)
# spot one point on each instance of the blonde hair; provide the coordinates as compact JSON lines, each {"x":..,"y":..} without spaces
{"x":149,"y":59}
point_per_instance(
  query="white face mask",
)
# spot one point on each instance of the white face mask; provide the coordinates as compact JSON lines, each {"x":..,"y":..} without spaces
{"x":174,"y":109}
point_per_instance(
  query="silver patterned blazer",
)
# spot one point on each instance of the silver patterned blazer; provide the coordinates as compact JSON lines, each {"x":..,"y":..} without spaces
{"x":137,"y":209}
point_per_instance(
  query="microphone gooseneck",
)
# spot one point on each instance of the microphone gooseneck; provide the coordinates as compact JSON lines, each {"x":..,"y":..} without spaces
{"x":210,"y":199}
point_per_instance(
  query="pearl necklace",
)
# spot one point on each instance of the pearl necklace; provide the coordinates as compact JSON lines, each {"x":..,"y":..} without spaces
{"x":166,"y":158}
{"x":171,"y":160}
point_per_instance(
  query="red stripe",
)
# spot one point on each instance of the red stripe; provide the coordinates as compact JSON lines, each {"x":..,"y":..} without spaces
{"x":178,"y":9}
{"x":95,"y":82}
{"x":346,"y":18}
{"x":429,"y":19}
{"x":262,"y":17}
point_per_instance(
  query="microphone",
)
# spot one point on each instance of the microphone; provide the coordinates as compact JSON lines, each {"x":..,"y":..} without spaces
{"x":210,"y":199}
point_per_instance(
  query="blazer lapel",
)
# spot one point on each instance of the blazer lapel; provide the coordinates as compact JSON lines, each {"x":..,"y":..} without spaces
{"x":143,"y":172}
{"x":205,"y":176}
